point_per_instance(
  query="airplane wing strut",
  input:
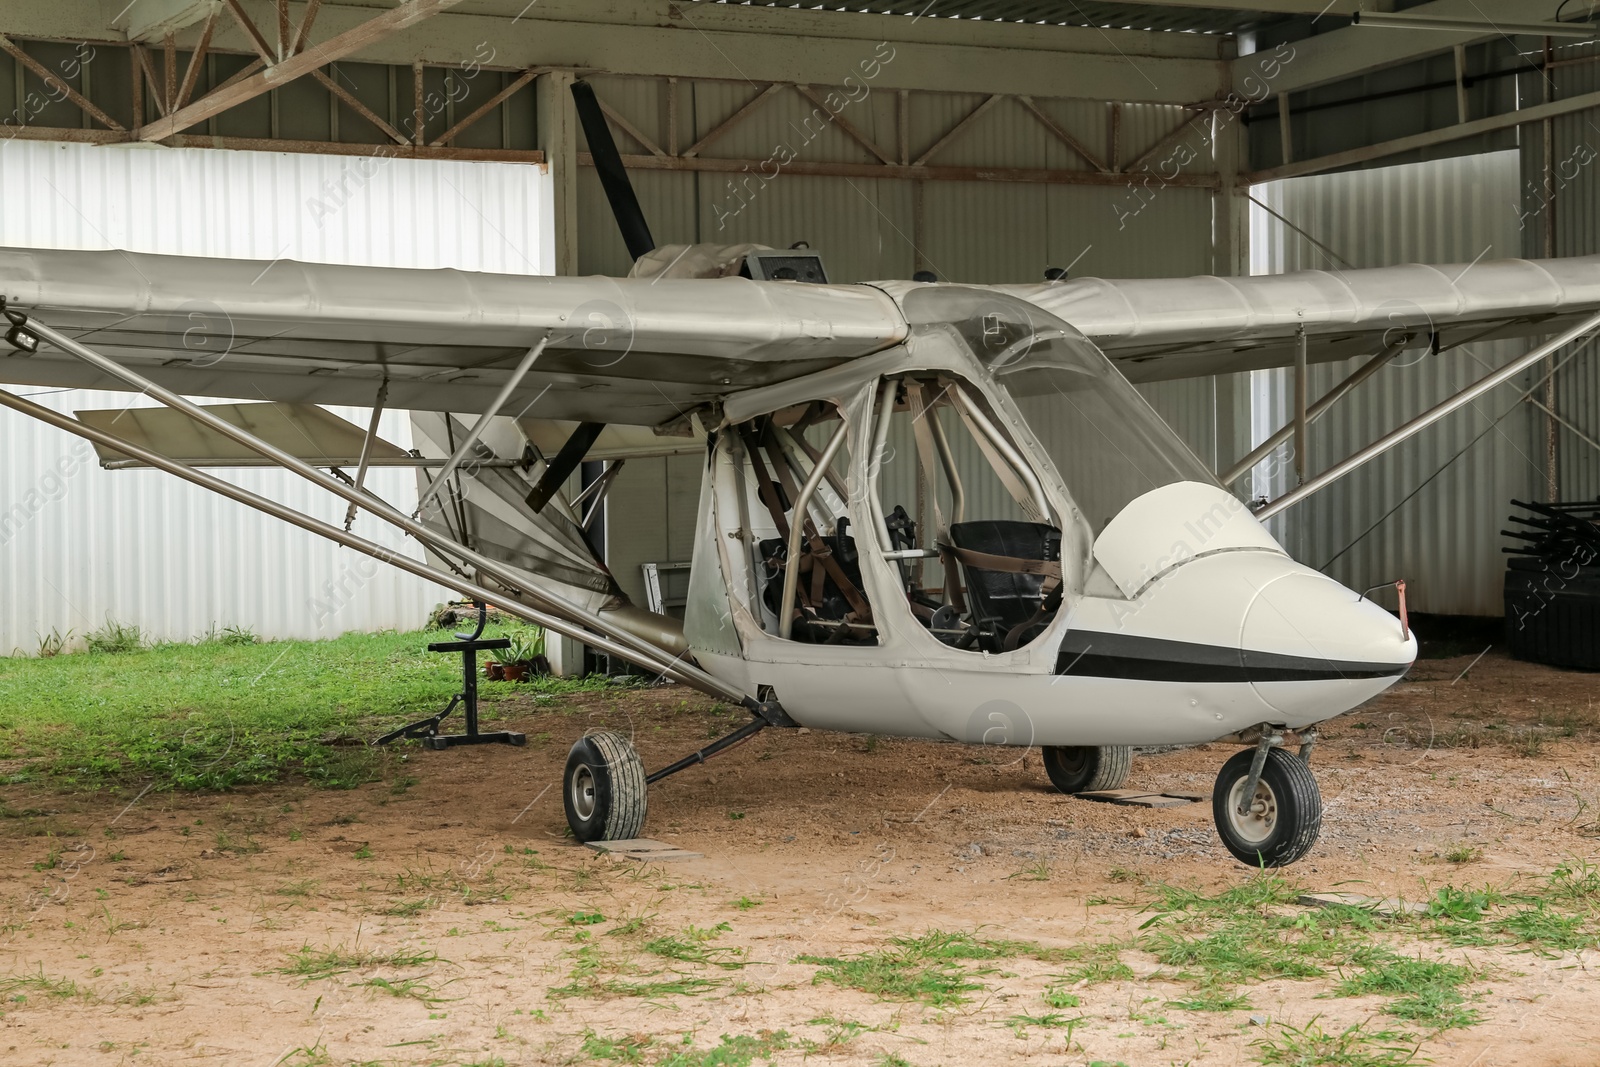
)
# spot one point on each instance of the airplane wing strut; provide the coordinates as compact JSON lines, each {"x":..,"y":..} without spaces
{"x":557,"y":615}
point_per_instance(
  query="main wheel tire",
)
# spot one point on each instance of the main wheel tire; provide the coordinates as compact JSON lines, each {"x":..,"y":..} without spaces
{"x":604,"y":789}
{"x":1079,"y":769}
{"x":1285,"y":815}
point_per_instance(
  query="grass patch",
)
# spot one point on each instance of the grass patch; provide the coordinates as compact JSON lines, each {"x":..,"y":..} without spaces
{"x":1312,"y":1046}
{"x":226,"y":712}
{"x":739,"y":1050}
{"x":1049,"y":1021}
{"x":1212,"y":1000}
{"x":409,"y":988}
{"x":314,"y":964}
{"x":114,"y":638}
{"x":16,"y":988}
{"x":599,"y":976}
{"x":629,"y":1048}
{"x":1425,"y":991}
{"x":925,"y":969}
{"x":692,"y":947}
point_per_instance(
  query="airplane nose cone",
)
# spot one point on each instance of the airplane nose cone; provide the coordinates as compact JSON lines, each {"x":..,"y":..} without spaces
{"x":1304,"y":627}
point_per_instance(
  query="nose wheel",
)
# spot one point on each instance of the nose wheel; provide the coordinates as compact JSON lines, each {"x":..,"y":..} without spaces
{"x":1268,"y":819}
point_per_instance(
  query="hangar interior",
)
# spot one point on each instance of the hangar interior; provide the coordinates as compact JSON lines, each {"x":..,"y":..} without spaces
{"x":983,"y":141}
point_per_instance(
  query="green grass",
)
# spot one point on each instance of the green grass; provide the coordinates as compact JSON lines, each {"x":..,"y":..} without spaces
{"x":410,"y":988}
{"x":1312,"y":1046}
{"x":1426,"y":991}
{"x":226,"y":712}
{"x":600,"y":975}
{"x":1212,"y":1000}
{"x":739,"y":1050}
{"x":314,"y":964}
{"x":16,"y":987}
{"x":692,"y":947}
{"x":629,"y":1048}
{"x":927,"y":969}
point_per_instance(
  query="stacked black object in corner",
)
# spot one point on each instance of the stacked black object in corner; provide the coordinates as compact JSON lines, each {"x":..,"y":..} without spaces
{"x":1552,"y":594}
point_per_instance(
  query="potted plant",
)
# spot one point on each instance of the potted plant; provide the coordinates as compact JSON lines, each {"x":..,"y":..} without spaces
{"x":494,"y":671}
{"x":526,"y":654}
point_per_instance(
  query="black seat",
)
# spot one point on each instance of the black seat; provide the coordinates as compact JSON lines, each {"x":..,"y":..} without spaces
{"x":1003,"y":598}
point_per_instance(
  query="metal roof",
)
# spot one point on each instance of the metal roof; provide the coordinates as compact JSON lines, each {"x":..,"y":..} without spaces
{"x":1047,"y":12}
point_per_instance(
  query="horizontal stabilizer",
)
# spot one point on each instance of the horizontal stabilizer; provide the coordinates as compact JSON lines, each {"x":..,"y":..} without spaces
{"x":306,"y":431}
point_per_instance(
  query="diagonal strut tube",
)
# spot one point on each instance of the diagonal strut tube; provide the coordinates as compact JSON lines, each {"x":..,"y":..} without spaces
{"x":1431,"y":416}
{"x":482,"y":424}
{"x":640,"y":651}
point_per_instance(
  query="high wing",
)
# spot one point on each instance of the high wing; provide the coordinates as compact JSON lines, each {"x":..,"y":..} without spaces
{"x":1157,"y":329}
{"x":645,"y":352}
{"x":621,"y":351}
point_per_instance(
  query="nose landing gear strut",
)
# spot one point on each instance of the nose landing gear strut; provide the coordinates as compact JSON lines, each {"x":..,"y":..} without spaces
{"x":1266,"y":803}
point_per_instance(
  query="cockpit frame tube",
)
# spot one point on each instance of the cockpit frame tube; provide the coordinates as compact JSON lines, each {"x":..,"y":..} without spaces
{"x":791,"y":566}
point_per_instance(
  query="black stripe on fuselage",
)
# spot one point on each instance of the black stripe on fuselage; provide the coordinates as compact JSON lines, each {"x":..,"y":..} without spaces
{"x":1087,"y":654}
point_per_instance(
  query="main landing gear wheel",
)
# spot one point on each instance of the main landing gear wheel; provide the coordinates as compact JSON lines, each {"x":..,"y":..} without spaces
{"x":603,"y":788}
{"x":1078,"y":769}
{"x":1283,"y":817}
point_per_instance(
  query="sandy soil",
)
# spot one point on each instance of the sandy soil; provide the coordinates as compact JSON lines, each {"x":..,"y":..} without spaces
{"x":164,"y":930}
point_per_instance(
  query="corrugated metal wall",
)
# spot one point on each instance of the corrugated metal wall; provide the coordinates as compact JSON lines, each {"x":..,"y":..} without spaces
{"x":145,"y":548}
{"x":1575,"y":215}
{"x":866,"y":229}
{"x":1398,"y":517}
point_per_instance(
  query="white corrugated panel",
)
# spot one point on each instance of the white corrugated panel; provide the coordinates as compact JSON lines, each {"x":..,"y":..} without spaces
{"x":1430,"y":510}
{"x":78,"y":543}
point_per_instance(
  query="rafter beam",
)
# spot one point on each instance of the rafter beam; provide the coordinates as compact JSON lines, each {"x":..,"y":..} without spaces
{"x":1356,"y":50}
{"x":267,"y":53}
{"x":314,"y":57}
{"x":913,"y":172}
{"x":303,"y":34}
{"x":197,"y":59}
{"x":1458,"y":132}
{"x":153,"y":20}
{"x":725,"y":41}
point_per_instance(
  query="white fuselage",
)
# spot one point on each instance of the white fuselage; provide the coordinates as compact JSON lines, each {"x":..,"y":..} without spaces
{"x":1181,"y":622}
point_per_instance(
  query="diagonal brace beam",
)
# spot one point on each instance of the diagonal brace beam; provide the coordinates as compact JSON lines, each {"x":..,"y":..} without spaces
{"x":315,"y":57}
{"x":56,"y":84}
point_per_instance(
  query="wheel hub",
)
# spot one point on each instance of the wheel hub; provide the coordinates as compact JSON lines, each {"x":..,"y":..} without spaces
{"x":583,"y":789}
{"x":1260,"y":816}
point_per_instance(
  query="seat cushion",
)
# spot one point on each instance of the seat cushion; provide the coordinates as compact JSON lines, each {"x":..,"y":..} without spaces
{"x":1010,"y":598}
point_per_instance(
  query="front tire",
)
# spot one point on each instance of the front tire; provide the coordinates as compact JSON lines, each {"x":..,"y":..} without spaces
{"x":1080,"y":769}
{"x":603,"y":788}
{"x":1284,"y":816}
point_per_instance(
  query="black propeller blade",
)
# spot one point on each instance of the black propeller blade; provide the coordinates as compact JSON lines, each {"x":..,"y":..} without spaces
{"x":613,"y":178}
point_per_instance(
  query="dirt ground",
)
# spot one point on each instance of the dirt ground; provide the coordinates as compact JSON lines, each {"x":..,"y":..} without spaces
{"x":464,"y":926}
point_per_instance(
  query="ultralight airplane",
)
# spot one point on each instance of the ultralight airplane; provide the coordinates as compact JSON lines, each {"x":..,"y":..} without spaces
{"x":927,"y":510}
